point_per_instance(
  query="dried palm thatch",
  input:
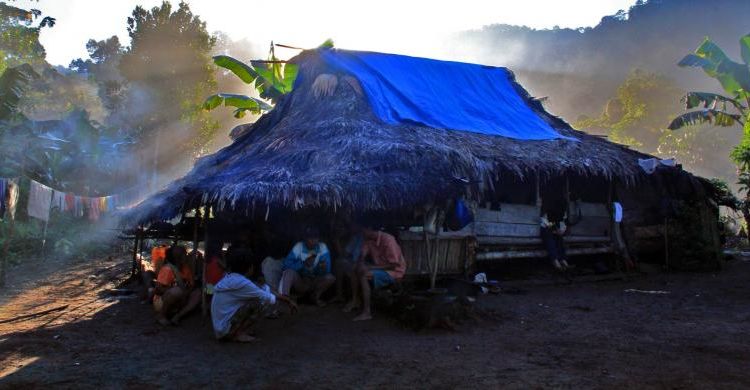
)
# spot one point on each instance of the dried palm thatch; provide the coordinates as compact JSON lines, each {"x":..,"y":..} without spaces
{"x":334,"y":152}
{"x":325,"y":85}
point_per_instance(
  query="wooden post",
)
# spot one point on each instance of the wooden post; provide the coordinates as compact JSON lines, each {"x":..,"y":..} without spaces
{"x":135,"y":253}
{"x":196,"y":224}
{"x":666,"y":243}
{"x":434,"y":261}
{"x":6,"y":245}
{"x":6,"y":249}
{"x":204,"y":295}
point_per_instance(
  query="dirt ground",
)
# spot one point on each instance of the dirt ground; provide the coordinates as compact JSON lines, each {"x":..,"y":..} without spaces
{"x":583,"y":335}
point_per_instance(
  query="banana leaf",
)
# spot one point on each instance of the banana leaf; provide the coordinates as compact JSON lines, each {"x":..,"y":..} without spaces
{"x":733,"y":77}
{"x":745,"y":49}
{"x":709,"y":100}
{"x":715,"y":117}
{"x":13,"y":83}
{"x":240,"y":69}
{"x":242,"y":103}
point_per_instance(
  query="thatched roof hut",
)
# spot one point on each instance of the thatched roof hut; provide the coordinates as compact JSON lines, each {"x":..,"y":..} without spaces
{"x":332,"y":152}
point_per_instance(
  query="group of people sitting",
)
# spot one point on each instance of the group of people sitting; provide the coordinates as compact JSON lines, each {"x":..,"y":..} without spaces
{"x":240,"y":295}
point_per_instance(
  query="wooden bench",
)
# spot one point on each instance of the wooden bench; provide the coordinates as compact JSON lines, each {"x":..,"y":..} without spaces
{"x":514,"y":232}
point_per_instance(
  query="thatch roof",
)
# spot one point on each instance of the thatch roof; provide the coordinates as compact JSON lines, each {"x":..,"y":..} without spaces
{"x":333,"y":152}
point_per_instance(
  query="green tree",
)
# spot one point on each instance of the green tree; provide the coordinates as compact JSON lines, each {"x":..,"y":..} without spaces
{"x":636,"y":115}
{"x":13,"y":83}
{"x":103,"y":68}
{"x":19,"y":36}
{"x":719,"y":110}
{"x":168,"y":70}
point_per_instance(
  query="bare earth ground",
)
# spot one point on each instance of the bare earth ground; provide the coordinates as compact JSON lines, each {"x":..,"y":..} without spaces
{"x":585,"y":335}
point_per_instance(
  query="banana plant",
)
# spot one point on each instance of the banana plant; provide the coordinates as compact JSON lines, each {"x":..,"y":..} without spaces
{"x":13,"y":82}
{"x":271,"y":78}
{"x":734,"y":77}
{"x":720,"y":110}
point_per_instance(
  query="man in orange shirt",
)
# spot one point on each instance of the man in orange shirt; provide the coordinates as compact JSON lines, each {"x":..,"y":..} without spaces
{"x":382,"y":262}
{"x":175,"y":292}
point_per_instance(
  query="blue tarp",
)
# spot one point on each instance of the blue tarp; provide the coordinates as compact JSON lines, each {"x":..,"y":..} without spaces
{"x":442,"y":94}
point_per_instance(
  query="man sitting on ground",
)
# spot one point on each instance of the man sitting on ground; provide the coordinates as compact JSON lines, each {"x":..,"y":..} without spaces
{"x":382,"y":262}
{"x":307,"y":268}
{"x":238,"y":303}
{"x":174,"y":292}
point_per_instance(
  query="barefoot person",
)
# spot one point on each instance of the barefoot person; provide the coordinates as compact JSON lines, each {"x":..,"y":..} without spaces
{"x":553,"y":226}
{"x":175,"y":294}
{"x":238,"y":303}
{"x":382,"y":262}
{"x":307,"y":268}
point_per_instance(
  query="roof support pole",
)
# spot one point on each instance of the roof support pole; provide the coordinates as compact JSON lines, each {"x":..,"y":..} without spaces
{"x":134,"y":269}
{"x":6,"y":246}
{"x":204,"y":296}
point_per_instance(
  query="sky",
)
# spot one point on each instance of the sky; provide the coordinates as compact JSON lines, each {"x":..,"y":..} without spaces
{"x":416,"y":27}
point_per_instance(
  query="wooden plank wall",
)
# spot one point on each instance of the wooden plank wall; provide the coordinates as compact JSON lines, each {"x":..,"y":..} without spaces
{"x":451,"y":256}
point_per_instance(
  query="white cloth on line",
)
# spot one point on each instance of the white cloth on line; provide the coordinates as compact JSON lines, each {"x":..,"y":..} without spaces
{"x":649,"y":165}
{"x":12,"y":201}
{"x":618,"y":212}
{"x":40,"y":199}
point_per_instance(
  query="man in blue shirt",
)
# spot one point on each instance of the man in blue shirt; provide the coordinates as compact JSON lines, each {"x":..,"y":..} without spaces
{"x":307,"y":268}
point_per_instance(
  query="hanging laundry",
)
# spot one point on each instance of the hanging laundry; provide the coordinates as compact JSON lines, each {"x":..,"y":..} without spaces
{"x":3,"y":192}
{"x":58,"y":200}
{"x":40,"y":200}
{"x":11,"y":201}
{"x":70,"y":203}
{"x":93,"y":209}
{"x":79,"y":209}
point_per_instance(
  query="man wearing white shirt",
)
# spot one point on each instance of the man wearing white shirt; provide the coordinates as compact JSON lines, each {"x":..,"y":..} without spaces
{"x":238,"y":303}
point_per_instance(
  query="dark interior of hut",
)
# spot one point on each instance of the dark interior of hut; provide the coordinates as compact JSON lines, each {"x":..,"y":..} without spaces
{"x":271,"y":232}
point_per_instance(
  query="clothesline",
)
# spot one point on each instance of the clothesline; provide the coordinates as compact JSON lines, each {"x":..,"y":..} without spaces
{"x":42,"y":199}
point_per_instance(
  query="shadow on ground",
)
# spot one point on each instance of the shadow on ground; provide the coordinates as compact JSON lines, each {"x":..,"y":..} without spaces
{"x":580,"y":335}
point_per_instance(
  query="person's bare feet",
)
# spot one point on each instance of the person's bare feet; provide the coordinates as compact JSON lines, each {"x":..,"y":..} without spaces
{"x":350,"y":307}
{"x":320,"y":302}
{"x":175,"y":320}
{"x":337,"y":299}
{"x":244,"y":338}
{"x":363,"y":317}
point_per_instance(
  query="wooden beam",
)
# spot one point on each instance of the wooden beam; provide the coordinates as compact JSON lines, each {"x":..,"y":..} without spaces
{"x":490,"y":240}
{"x":540,"y":253}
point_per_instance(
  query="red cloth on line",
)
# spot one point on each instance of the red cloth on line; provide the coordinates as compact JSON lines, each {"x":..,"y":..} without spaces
{"x":70,"y":202}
